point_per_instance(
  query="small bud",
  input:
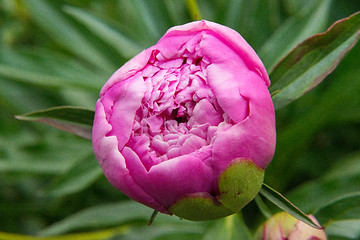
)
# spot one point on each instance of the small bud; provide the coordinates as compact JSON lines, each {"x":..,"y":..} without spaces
{"x":284,"y":226}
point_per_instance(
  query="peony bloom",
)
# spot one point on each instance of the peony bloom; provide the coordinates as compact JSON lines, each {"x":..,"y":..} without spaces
{"x":282,"y":226}
{"x":187,"y":126}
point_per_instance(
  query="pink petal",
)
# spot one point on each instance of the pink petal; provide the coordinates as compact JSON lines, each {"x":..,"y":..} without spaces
{"x":171,"y":179}
{"x":126,"y":97}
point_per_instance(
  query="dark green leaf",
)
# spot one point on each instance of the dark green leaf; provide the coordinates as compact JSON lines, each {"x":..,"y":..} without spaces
{"x":71,"y":119}
{"x":279,"y":200}
{"x":312,"y":60}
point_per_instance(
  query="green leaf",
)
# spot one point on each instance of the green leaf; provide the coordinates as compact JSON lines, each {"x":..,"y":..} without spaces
{"x":71,"y":119}
{"x":342,"y":179}
{"x":78,"y":177}
{"x":125,"y":46}
{"x":108,"y":215}
{"x":95,"y":235}
{"x":193,"y":9}
{"x":310,"y":20}
{"x":181,"y":230}
{"x":66,"y":34}
{"x":340,"y":208}
{"x":312,"y":60}
{"x":229,"y":228}
{"x":49,"y":62}
{"x":154,"y":17}
{"x":346,"y":229}
{"x":100,"y":216}
{"x":29,"y":154}
{"x":279,"y":200}
{"x":262,"y":207}
{"x":44,"y":79}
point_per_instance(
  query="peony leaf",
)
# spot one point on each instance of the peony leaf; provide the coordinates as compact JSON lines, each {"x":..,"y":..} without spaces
{"x":341,"y":208}
{"x":43,"y":79}
{"x":311,"y":19}
{"x":93,"y":235}
{"x":344,"y":229}
{"x":229,"y":228}
{"x":67,"y":34}
{"x":262,"y":207}
{"x":75,"y":120}
{"x":81,"y":174}
{"x":154,"y":17}
{"x":105,"y":215}
{"x":120,"y":214}
{"x":279,"y":200}
{"x":341,"y":179}
{"x":193,"y":9}
{"x":312,"y":60}
{"x":125,"y":46}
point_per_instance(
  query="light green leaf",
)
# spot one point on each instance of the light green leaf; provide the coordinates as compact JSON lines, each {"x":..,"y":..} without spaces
{"x":71,"y":119}
{"x":312,"y":60}
{"x":193,"y":9}
{"x":78,"y":177}
{"x":125,"y":46}
{"x":229,"y":228}
{"x":279,"y":200}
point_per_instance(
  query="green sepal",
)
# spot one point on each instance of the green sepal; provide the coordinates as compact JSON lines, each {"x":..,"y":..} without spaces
{"x":238,"y":184}
{"x":199,"y":207}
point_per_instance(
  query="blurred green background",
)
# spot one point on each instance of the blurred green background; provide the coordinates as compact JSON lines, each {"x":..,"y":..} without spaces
{"x":55,"y":53}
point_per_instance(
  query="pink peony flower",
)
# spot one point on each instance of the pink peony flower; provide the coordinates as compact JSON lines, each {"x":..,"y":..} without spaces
{"x":187,"y":126}
{"x":283,"y":226}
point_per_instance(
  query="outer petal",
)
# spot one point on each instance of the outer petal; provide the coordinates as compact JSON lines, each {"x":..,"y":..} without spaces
{"x":121,"y":102}
{"x":228,"y":35}
{"x":129,"y":69}
{"x":304,"y":231}
{"x":244,"y":96}
{"x":253,"y":138}
{"x":113,"y":163}
{"x":170,"y":180}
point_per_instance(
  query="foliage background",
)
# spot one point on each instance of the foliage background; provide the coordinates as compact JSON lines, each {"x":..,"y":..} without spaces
{"x":55,"y":53}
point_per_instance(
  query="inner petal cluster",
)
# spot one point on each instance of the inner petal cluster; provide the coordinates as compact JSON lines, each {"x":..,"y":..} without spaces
{"x":179,"y":113}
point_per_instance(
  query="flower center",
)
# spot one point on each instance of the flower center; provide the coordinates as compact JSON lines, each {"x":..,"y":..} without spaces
{"x":179,"y":113}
